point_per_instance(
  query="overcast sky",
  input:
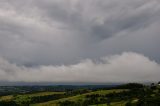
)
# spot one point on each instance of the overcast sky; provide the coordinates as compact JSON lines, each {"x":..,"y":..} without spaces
{"x":79,"y":40}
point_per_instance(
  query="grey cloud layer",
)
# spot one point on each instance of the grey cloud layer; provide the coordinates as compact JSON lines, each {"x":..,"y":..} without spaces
{"x":38,"y":33}
{"x":127,"y":67}
{"x":44,"y":32}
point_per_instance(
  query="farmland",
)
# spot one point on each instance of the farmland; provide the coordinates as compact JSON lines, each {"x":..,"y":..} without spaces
{"x":122,"y":95}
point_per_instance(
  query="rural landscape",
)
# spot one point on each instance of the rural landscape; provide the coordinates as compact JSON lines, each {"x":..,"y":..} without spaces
{"x":131,"y":94}
{"x":79,"y":52}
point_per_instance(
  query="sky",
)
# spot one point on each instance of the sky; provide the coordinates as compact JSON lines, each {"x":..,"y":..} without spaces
{"x":79,"y":41}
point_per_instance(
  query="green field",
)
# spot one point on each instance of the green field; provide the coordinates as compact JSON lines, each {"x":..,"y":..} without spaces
{"x":125,"y":95}
{"x":122,"y":103}
{"x":77,"y":97}
{"x":24,"y":98}
{"x":6,"y":98}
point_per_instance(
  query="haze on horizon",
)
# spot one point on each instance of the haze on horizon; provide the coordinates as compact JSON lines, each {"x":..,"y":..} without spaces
{"x":91,"y":41}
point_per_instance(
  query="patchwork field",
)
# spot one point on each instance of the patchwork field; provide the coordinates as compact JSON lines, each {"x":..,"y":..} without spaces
{"x":78,"y":97}
{"x":124,"y":95}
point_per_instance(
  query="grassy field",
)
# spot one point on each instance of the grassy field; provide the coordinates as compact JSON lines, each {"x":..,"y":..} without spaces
{"x":77,"y":98}
{"x":122,"y":103}
{"x":131,"y":96}
{"x":19,"y":99}
{"x":6,"y":98}
{"x":42,"y":94}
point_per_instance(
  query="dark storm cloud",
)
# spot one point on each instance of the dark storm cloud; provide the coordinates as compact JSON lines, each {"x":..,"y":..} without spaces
{"x":54,"y":32}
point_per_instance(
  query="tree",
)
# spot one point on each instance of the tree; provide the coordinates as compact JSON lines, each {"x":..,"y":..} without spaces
{"x":129,"y":103}
{"x":108,"y":102}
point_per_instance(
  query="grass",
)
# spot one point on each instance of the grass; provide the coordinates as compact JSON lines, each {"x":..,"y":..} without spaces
{"x":42,"y":94}
{"x":6,"y":98}
{"x":76,"y":98}
{"x":122,"y":103}
{"x":26,"y":97}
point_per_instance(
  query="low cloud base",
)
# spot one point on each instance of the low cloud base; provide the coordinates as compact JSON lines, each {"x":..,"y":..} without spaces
{"x":127,"y":67}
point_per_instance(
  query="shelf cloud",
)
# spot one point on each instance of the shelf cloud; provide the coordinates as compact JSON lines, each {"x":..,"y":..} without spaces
{"x":127,"y":67}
